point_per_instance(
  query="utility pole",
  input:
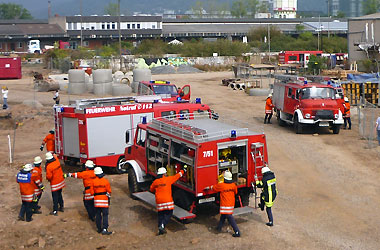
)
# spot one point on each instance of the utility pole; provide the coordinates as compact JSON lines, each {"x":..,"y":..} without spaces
{"x":269,"y":41}
{"x":81,"y":24}
{"x":118,"y":10}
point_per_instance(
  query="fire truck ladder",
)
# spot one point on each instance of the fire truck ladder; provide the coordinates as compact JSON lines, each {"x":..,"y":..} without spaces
{"x":100,"y":102}
{"x":57,"y":110}
{"x":258,"y":159}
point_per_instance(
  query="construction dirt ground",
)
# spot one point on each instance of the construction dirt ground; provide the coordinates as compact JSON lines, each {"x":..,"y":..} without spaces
{"x":327,"y":185}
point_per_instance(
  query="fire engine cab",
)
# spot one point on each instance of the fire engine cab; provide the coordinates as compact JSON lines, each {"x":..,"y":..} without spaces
{"x":301,"y":103}
{"x":165,"y":89}
{"x":206,"y":148}
{"x":100,"y":129}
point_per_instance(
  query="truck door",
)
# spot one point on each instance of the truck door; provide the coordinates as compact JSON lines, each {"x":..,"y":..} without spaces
{"x":139,"y":148}
{"x":290,"y":100}
{"x":136,"y":119}
{"x":186,"y":92}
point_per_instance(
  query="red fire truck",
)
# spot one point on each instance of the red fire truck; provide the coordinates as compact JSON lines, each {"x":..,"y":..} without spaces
{"x":297,"y":57}
{"x":100,"y":129}
{"x":207,"y":147}
{"x":165,"y":89}
{"x":301,"y":103}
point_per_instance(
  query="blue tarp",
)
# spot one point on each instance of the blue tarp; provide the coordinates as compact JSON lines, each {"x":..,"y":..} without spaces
{"x":363,"y":78}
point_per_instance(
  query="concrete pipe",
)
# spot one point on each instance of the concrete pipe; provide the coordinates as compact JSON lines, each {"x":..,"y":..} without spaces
{"x":76,"y":75}
{"x":135,"y":86}
{"x":86,"y":78}
{"x":118,"y":75}
{"x":121,"y":90}
{"x":63,"y":85}
{"x":232,"y":85}
{"x":108,"y":88}
{"x":77,"y":88}
{"x":142,"y":75}
{"x":125,"y":80}
{"x":99,"y":89}
{"x":90,"y":87}
{"x":259,"y":92}
{"x":102,"y":76}
{"x":242,"y":86}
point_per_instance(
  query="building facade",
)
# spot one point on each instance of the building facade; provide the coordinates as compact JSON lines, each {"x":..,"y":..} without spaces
{"x":350,"y":8}
{"x":285,"y":8}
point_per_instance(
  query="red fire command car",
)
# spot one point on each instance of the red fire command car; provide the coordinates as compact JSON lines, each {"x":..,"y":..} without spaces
{"x":165,"y":89}
{"x":100,"y":129}
{"x":302,"y":103}
{"x":207,"y":147}
{"x":297,"y":57}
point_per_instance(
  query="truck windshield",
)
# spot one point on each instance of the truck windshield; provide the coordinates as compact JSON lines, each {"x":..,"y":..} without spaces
{"x":317,"y":93}
{"x":165,"y":89}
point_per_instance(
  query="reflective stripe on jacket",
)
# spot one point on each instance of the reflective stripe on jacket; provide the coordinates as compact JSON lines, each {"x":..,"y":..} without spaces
{"x":24,"y":179}
{"x":54,"y":175}
{"x":227,"y":196}
{"x":99,"y":188}
{"x":88,"y":177}
{"x":162,"y":187}
{"x":37,"y":184}
{"x":269,"y":106}
{"x":50,"y":142}
{"x":269,"y":193}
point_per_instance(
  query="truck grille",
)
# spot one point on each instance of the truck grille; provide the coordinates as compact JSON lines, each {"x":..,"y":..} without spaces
{"x":324,"y":114}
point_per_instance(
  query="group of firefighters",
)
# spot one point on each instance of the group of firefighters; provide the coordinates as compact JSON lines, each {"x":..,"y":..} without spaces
{"x":344,"y":108}
{"x":97,"y":191}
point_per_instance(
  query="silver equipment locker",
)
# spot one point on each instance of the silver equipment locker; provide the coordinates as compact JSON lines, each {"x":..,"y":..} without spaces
{"x":70,"y":137}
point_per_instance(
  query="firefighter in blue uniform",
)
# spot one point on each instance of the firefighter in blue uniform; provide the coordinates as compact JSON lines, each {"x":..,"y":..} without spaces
{"x":269,"y":192}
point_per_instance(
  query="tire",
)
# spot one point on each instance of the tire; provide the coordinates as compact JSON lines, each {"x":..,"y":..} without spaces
{"x":119,"y":166}
{"x":297,"y":126}
{"x":336,"y":129}
{"x":280,"y":122}
{"x":132,"y":182}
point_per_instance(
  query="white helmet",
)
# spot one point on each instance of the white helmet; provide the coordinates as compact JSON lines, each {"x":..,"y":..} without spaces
{"x":227,"y":175}
{"x":89,"y":164}
{"x":98,"y":170}
{"x":161,"y":171}
{"x":345,"y":99}
{"x":37,"y":160}
{"x":28,"y":167}
{"x":270,"y":95}
{"x":49,"y":156}
{"x":264,"y":170}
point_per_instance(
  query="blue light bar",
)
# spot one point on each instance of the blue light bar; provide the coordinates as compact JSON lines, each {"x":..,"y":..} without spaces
{"x":233,"y":133}
{"x":179,"y":99}
{"x":198,"y":100}
{"x":305,"y":82}
{"x":144,"y":120}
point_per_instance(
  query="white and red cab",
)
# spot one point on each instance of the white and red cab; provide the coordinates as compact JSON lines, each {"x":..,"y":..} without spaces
{"x":303,"y":103}
{"x":206,"y":148}
{"x":168,"y":91}
{"x":101,"y":129}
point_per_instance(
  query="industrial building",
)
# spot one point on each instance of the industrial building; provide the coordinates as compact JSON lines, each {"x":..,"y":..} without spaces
{"x":350,"y":8}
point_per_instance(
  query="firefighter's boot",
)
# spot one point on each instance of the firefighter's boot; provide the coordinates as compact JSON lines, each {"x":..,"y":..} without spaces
{"x":269,"y":224}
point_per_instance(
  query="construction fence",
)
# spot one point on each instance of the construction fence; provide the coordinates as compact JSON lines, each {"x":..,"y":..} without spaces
{"x":367,"y":116}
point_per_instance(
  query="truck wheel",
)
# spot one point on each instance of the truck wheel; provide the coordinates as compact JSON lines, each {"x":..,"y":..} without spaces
{"x":120,"y":166}
{"x":297,"y":126}
{"x":336,"y":129}
{"x":132,"y":182}
{"x":280,"y":122}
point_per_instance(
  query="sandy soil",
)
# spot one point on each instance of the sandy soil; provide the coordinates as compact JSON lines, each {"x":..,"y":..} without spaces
{"x":327,"y":186}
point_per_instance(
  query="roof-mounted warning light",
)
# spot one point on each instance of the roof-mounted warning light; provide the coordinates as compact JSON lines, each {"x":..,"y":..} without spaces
{"x":144,"y":120}
{"x":62,"y":109}
{"x":305,"y":82}
{"x":155,"y":101}
{"x":179,"y":99}
{"x":329,"y":82}
{"x":198,"y":100}
{"x":233,"y":133}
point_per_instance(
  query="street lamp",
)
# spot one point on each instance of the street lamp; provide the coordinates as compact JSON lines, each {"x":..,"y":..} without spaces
{"x":118,"y":12}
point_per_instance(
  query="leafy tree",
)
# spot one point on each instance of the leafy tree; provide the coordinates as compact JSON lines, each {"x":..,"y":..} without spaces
{"x":222,"y":9}
{"x":112,"y":9}
{"x":371,"y":6}
{"x":14,"y":11}
{"x":263,"y":7}
{"x":300,"y":28}
{"x":252,"y":6}
{"x":316,"y":63}
{"x":198,"y":9}
{"x":239,"y":9}
{"x":215,"y":8}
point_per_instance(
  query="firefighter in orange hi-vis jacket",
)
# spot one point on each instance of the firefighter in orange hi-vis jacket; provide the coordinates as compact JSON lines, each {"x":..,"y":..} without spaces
{"x":100,"y":188}
{"x":49,"y":141}
{"x":162,"y":187}
{"x":88,"y":177}
{"x":38,"y":186}
{"x":228,"y":190}
{"x":268,"y":109}
{"x":54,"y":175}
{"x":347,"y":113}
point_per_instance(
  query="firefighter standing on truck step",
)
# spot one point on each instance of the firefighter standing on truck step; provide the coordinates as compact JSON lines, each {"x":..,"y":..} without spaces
{"x":162,"y":187}
{"x":268,"y":109}
{"x":269,"y":192}
{"x":55,"y":176}
{"x":347,"y":113}
{"x":100,"y":188}
{"x":88,"y":177}
{"x":228,"y":190}
{"x":24,"y":179}
{"x":49,"y":141}
{"x":38,"y":186}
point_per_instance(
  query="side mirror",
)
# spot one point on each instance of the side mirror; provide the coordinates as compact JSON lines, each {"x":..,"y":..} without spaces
{"x":127,"y":137}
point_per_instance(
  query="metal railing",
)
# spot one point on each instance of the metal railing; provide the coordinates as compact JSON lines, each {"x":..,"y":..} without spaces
{"x":367,"y":116}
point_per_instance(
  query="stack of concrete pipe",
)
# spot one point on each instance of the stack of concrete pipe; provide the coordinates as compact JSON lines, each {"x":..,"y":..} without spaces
{"x":140,"y":75}
{"x":119,"y":88}
{"x":102,"y":79}
{"x":77,"y":81}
